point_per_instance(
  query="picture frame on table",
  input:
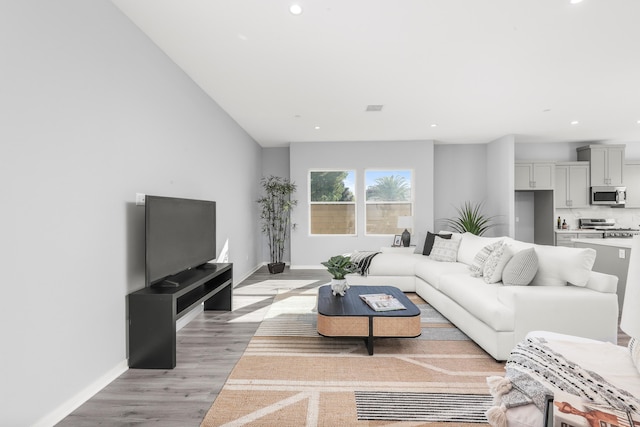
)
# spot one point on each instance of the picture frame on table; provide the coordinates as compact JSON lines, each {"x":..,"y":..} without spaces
{"x":397,"y":240}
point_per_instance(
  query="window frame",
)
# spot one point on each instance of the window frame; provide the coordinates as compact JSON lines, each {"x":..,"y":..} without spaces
{"x":310,"y":203}
{"x":411,"y":200}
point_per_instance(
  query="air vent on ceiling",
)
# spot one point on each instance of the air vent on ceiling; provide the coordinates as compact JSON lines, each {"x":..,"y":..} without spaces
{"x":374,"y":108}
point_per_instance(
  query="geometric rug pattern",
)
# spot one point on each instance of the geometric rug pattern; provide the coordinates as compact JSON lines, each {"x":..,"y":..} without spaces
{"x":291,"y":376}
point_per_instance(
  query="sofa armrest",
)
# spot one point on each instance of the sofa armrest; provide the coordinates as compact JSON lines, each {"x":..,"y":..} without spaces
{"x":601,"y":282}
{"x":568,"y":310}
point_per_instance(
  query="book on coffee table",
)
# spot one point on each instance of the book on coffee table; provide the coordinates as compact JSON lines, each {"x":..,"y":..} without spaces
{"x":382,"y":302}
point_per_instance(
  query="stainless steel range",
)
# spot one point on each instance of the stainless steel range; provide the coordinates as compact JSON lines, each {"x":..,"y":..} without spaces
{"x":609,"y":227}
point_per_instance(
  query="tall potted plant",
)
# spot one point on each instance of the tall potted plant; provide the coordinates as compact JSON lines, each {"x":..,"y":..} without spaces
{"x":470,"y":219}
{"x":275,"y":215}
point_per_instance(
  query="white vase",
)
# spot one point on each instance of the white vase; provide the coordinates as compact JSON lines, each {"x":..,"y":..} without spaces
{"x":339,"y":286}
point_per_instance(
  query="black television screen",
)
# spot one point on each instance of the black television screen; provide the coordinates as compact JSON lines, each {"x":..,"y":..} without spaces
{"x":179,"y":234}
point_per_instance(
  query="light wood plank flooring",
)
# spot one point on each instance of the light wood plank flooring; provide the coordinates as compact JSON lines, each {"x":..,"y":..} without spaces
{"x":207,"y":350}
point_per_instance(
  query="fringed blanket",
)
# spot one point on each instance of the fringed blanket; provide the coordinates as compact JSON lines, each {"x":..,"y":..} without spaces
{"x":534,"y":370}
{"x":363,"y":260}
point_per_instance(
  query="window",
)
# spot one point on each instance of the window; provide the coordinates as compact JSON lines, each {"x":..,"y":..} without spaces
{"x":388,"y":195}
{"x":332,"y":204}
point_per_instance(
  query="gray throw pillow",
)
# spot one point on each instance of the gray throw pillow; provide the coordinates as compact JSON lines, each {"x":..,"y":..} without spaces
{"x":521,"y":269}
{"x":481,"y":258}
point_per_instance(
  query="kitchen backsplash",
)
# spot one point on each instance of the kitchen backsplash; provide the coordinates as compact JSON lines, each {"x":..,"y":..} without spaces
{"x":625,"y":217}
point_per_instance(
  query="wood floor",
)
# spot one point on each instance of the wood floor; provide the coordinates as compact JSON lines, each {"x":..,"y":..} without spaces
{"x":207,"y":350}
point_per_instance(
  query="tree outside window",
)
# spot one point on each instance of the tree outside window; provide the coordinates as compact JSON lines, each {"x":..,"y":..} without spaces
{"x":388,"y":195}
{"x":332,"y":202}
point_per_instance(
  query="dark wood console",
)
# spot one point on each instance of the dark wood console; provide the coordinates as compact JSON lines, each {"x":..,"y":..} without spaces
{"x":153,"y":312}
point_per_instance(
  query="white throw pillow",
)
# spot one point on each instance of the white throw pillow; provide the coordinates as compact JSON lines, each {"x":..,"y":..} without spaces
{"x":471,"y":245}
{"x":477,"y":266}
{"x":558,"y":265}
{"x":417,"y":240}
{"x":496,"y":262}
{"x":521,"y":269}
{"x":444,"y":249}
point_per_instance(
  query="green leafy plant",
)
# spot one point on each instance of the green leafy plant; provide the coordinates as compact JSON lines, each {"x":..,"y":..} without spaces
{"x":339,"y":266}
{"x":471,"y":219}
{"x":275,"y":213}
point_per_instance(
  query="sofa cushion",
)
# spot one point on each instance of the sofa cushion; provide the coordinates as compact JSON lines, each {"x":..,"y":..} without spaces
{"x":430,"y":239}
{"x":634,"y":349}
{"x":394,"y":264}
{"x":521,"y":269}
{"x":478,"y":298}
{"x":417,"y":240}
{"x":559,"y":265}
{"x":477,"y":266}
{"x":471,"y":244}
{"x":496,"y":262}
{"x":432,"y":271}
{"x":445,"y":250}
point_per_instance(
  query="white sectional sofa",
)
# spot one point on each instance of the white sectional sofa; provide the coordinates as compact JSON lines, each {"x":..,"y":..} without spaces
{"x":564,"y":296}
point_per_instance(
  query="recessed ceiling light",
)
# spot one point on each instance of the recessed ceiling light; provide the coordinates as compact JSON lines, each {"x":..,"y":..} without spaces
{"x":295,"y":9}
{"x":434,"y":125}
{"x":575,"y":1}
{"x":317,"y":127}
{"x":575,"y":122}
{"x":639,"y":122}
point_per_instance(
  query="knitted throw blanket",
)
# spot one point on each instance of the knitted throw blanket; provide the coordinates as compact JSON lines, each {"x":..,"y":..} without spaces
{"x":534,"y":370}
{"x":363,"y":260}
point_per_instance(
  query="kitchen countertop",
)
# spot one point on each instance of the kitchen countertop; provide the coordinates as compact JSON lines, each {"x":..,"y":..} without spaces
{"x":578,"y":230}
{"x":618,"y":243}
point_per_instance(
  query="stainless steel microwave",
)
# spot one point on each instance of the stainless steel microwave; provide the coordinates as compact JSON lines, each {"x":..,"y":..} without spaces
{"x":609,"y":196}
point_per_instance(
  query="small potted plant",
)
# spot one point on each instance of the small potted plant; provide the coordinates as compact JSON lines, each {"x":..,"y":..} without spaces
{"x":470,"y":219}
{"x":275,"y":210}
{"x":339,"y":266}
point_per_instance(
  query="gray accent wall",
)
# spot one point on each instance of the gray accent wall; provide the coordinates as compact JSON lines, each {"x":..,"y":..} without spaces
{"x":92,"y":113}
{"x":309,"y":251}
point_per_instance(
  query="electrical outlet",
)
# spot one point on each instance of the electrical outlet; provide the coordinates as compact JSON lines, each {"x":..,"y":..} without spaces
{"x":140,"y":199}
{"x":622,"y":254}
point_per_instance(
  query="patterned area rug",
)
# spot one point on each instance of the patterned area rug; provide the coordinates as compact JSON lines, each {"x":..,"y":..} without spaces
{"x":291,"y":376}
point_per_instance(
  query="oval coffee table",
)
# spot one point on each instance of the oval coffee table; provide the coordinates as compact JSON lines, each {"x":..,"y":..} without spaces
{"x":350,"y":316}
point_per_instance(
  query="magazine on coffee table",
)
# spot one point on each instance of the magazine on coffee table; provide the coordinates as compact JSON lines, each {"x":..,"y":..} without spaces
{"x":382,"y":302}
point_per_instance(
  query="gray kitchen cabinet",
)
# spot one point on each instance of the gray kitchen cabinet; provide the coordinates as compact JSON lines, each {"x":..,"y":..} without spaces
{"x":632,"y":178}
{"x":572,"y":185}
{"x":534,"y":175}
{"x":607,"y":163}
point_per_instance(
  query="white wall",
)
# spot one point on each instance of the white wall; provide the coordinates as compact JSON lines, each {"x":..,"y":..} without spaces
{"x":460,"y":176}
{"x":500,"y":185}
{"x":92,"y":112}
{"x":309,"y":250}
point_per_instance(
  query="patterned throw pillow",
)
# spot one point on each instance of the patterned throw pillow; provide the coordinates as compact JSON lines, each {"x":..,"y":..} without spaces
{"x":496,"y":262}
{"x":521,"y":269}
{"x":634,"y":349}
{"x":428,"y":241}
{"x":481,"y":258}
{"x":445,"y":250}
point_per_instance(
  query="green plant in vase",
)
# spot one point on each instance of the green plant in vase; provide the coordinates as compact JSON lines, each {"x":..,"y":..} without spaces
{"x":471,"y":219}
{"x":339,"y":266}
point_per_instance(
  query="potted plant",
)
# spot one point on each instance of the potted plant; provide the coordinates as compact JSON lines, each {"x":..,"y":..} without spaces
{"x":275,"y":216}
{"x":339,"y":266}
{"x":470,"y":219}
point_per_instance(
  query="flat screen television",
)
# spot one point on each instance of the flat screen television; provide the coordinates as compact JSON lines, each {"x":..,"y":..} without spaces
{"x":179,"y":234}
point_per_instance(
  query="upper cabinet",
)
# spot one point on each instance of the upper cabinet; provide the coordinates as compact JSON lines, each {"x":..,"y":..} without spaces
{"x":534,"y":175}
{"x":607,"y":163}
{"x":572,"y":185}
{"x":632,"y":176}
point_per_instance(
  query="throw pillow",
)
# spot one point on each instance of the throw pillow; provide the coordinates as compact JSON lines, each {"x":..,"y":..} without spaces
{"x":480,"y":259}
{"x":418,"y":241}
{"x":428,"y":241}
{"x":521,"y":269}
{"x":559,"y":265}
{"x":445,"y":250}
{"x":496,"y":262}
{"x":634,"y":349}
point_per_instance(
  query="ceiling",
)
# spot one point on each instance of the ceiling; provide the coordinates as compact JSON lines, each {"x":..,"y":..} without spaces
{"x":453,"y":71}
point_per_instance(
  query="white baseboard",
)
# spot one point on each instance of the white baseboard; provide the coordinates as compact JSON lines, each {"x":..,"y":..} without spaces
{"x":87,"y":393}
{"x":307,"y":267}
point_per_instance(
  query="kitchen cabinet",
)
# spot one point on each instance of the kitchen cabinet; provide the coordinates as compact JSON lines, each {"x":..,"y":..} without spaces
{"x":632,"y":177}
{"x":607,"y":163}
{"x":564,"y":238}
{"x":572,"y":185}
{"x":534,"y":175}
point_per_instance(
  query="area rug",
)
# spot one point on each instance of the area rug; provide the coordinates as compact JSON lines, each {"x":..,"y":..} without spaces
{"x":291,"y":376}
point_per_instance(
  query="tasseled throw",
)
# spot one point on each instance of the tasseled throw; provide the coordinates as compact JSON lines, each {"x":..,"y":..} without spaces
{"x":498,"y":385}
{"x":497,"y":416}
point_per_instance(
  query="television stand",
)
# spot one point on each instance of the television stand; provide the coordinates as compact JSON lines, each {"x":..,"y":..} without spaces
{"x":154,"y":311}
